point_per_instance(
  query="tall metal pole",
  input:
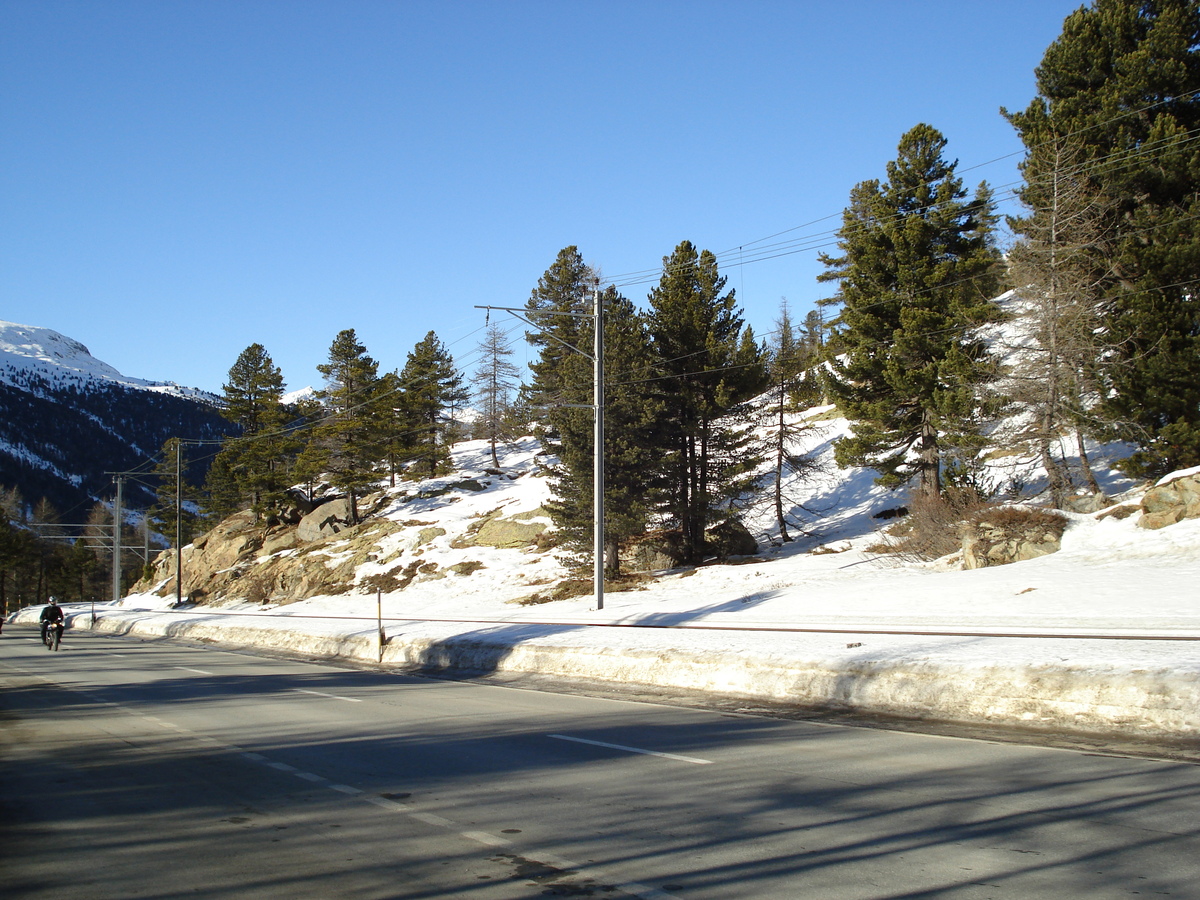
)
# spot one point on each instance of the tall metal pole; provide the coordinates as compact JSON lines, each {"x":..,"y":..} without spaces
{"x":178,"y":522}
{"x":118,"y":515}
{"x":598,"y":448}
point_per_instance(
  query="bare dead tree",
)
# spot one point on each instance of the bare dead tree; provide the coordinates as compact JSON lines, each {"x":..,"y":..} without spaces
{"x":495,"y":382}
{"x":1059,"y":268}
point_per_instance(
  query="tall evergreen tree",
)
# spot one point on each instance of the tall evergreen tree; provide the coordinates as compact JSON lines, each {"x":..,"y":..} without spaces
{"x":344,"y":445}
{"x":392,"y":424}
{"x":788,"y":369}
{"x":559,"y":307}
{"x":1122,"y":82}
{"x":917,"y":273}
{"x":699,"y":343}
{"x":256,"y":461}
{"x":633,"y":419}
{"x":432,"y":386}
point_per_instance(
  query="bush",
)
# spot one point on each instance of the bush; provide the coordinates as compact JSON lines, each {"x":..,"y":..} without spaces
{"x":931,"y":528}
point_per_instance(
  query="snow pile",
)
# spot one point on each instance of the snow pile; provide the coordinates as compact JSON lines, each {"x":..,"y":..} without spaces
{"x":1112,"y":619}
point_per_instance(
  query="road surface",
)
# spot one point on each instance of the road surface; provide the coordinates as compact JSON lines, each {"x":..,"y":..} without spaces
{"x":148,"y":769}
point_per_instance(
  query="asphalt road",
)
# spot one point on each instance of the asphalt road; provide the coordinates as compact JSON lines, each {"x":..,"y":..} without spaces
{"x":148,"y":769}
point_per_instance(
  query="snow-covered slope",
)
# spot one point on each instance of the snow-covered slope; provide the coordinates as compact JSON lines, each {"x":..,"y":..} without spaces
{"x":29,"y":354}
{"x":68,"y":420}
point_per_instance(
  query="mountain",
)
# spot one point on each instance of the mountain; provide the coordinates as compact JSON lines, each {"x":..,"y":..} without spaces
{"x":69,"y":420}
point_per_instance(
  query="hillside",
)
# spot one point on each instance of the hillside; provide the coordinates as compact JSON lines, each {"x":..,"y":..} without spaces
{"x":67,"y":420}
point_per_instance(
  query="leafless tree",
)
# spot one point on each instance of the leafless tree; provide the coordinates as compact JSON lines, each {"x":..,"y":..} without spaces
{"x":1059,"y":269}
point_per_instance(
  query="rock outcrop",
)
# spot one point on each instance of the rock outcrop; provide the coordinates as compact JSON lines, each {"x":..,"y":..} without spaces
{"x":1171,"y":501}
{"x":1001,"y":535}
{"x":506,"y":532}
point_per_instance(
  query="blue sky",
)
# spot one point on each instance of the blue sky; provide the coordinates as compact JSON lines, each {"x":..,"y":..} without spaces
{"x":181,"y":179}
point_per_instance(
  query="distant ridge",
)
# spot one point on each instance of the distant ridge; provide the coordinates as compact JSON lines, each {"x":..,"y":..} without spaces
{"x":68,"y":419}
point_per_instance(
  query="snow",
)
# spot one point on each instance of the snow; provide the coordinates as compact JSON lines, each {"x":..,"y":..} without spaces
{"x":805,"y":622}
{"x":30,"y":350}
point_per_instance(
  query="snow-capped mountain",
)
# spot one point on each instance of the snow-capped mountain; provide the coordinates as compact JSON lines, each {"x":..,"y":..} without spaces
{"x":29,"y":353}
{"x":69,"y":420}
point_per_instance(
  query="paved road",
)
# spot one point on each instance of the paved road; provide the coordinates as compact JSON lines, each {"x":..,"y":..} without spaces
{"x":146,"y":769}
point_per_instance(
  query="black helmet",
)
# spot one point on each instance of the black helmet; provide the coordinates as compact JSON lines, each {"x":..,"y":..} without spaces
{"x":53,"y":601}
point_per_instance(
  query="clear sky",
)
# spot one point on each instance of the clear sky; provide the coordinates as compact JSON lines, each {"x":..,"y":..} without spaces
{"x":181,"y":179}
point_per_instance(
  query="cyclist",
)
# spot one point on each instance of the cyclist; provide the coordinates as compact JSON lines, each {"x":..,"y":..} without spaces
{"x":52,"y":615}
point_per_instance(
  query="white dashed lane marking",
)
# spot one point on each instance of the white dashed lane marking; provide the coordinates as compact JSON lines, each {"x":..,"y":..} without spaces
{"x":331,"y":696}
{"x":687,"y":759}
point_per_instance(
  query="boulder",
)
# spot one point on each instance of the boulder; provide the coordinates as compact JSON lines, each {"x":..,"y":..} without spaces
{"x":658,"y":550}
{"x":730,"y":538}
{"x":1001,"y":535}
{"x":652,"y":552}
{"x":430,"y":533}
{"x":1087,"y":503}
{"x":327,"y":519}
{"x":277,"y":540}
{"x":1171,"y":501}
{"x":510,"y":532}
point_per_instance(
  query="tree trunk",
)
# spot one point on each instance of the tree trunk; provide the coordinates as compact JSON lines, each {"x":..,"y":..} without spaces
{"x":930,"y":465}
{"x":612,"y":558}
{"x":779,"y":447}
{"x":1085,"y":465}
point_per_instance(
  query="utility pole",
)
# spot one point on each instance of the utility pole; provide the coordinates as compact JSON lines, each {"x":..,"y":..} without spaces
{"x":597,"y":406}
{"x":118,"y":514}
{"x":178,"y":522}
{"x":598,"y":451}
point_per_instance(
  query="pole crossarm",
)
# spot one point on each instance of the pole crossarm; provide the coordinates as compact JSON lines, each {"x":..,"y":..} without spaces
{"x":516,"y":314}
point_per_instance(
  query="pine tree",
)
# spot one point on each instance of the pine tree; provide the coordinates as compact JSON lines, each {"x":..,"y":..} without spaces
{"x":1122,"y":83}
{"x":431,"y":386}
{"x":174,"y":510}
{"x":633,"y":418}
{"x":698,"y":339}
{"x":223,"y":495}
{"x":392,"y":424}
{"x":560,"y":306}
{"x":916,"y":274}
{"x":255,"y":464}
{"x":495,"y":381}
{"x":344,"y":444}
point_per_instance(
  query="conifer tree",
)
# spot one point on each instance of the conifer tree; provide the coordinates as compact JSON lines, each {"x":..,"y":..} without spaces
{"x":917,"y":273}
{"x":223,"y":495}
{"x":174,"y":510}
{"x":788,"y":370}
{"x":711,"y":367}
{"x":344,"y":444}
{"x":495,"y":382}
{"x":559,"y":306}
{"x":633,"y":419}
{"x":1122,"y":82}
{"x":392,"y":424}
{"x":432,"y":386}
{"x":1060,"y":268}
{"x":255,"y":464}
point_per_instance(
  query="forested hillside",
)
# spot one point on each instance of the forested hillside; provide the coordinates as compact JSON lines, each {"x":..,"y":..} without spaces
{"x":60,"y":442}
